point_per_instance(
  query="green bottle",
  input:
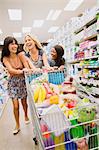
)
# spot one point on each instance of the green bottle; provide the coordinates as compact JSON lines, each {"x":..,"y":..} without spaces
{"x":93,"y":140}
{"x":78,"y":131}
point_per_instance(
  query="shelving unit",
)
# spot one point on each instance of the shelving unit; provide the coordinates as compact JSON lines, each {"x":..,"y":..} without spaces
{"x":87,"y":66}
{"x":93,"y":20}
{"x":79,"y":37}
{"x":75,"y":61}
{"x":3,"y":89}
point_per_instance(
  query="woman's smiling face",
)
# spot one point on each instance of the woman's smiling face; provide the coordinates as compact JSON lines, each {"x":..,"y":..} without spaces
{"x":53,"y":53}
{"x":30,"y":44}
{"x":13,"y":47}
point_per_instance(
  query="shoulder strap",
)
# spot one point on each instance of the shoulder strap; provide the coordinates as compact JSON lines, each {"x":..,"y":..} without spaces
{"x":27,"y":54}
{"x":41,"y":52}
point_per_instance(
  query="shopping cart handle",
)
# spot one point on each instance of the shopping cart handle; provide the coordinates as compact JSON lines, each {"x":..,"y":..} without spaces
{"x":55,"y":68}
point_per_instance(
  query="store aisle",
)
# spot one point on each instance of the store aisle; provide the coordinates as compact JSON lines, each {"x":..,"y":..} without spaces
{"x":22,"y":141}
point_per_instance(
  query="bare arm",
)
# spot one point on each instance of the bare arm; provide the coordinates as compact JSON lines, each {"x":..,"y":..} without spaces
{"x":26,"y":61}
{"x":10,"y":69}
{"x":23,"y":59}
{"x":45,"y":61}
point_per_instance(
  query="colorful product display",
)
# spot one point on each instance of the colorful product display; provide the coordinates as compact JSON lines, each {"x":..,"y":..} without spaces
{"x":80,"y":39}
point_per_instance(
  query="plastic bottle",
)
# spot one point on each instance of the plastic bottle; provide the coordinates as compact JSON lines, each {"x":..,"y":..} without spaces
{"x":93,"y":140}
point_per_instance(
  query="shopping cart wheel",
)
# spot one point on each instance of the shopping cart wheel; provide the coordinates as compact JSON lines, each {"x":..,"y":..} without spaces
{"x":35,"y":141}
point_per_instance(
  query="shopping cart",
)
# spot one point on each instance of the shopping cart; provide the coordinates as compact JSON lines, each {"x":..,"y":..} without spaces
{"x":53,"y":130}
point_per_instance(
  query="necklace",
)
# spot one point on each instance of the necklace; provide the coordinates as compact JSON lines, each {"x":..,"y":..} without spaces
{"x":15,"y":62}
{"x":34,"y":57}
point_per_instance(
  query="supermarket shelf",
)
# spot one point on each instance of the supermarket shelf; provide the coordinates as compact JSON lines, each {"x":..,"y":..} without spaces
{"x":89,"y":77}
{"x":88,"y":67}
{"x":93,"y":97}
{"x":85,"y":93}
{"x":91,"y":67}
{"x":89,"y":38}
{"x":88,"y":84}
{"x":96,"y":100}
{"x":78,"y":60}
{"x":89,"y":81}
{"x":89,"y":47}
{"x":93,"y":46}
{"x":93,"y":20}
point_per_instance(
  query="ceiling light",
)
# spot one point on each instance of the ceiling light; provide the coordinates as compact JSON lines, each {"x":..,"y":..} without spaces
{"x":38,"y":23}
{"x":50,"y":14}
{"x":53,"y":14}
{"x":73,"y":5}
{"x":53,"y":29}
{"x":15,"y":14}
{"x":17,"y":35}
{"x":1,"y":42}
{"x":26,"y":29}
{"x":1,"y":31}
{"x":56,"y":14}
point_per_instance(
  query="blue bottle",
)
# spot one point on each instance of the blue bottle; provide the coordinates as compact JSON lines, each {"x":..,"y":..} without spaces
{"x":71,"y":145}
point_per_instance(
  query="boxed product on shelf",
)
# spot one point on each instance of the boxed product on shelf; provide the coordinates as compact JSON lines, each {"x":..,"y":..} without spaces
{"x":79,"y":36}
{"x":84,"y":44}
{"x":91,"y":30}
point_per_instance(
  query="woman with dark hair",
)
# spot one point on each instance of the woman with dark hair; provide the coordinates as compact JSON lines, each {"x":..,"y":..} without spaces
{"x":16,"y":85}
{"x":57,"y":59}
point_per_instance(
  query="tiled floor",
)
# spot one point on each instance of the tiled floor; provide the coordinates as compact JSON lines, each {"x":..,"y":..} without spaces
{"x":22,"y":141}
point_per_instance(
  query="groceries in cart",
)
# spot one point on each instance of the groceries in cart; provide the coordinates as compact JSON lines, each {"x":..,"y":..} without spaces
{"x":52,"y":116}
{"x":44,"y":93}
{"x":63,"y":120}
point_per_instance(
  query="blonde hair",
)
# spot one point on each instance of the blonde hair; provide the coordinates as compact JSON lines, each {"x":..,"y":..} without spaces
{"x":36,"y":41}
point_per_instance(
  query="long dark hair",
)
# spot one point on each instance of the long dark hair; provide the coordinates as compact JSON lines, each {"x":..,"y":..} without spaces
{"x":5,"y":50}
{"x":60,"y":52}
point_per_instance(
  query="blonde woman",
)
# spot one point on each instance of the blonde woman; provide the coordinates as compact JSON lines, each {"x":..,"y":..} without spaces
{"x":35,"y":52}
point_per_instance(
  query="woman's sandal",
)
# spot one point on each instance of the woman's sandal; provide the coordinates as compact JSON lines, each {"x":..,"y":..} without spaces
{"x":27,"y":121}
{"x":16,"y":131}
{"x":35,"y":141}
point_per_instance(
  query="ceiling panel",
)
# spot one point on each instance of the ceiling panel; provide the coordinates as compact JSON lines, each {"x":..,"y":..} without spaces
{"x":36,"y":9}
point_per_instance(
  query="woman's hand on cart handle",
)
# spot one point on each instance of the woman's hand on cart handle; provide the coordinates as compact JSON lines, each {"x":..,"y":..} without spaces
{"x":36,"y":70}
{"x":61,"y":68}
{"x":55,"y":68}
{"x":48,"y":68}
{"x":26,"y":71}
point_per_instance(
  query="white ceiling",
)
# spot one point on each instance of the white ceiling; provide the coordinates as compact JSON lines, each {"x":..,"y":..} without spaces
{"x":36,"y":9}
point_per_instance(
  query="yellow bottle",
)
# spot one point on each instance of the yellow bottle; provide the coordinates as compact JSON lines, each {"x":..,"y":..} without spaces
{"x":59,"y":140}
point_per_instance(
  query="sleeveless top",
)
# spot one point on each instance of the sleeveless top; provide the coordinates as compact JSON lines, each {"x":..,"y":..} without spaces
{"x":57,"y":63}
{"x":39,"y":63}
